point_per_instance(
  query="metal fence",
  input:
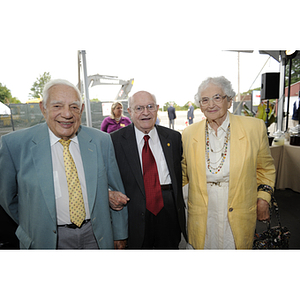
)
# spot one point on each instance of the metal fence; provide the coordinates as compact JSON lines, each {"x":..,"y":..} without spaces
{"x":27,"y":115}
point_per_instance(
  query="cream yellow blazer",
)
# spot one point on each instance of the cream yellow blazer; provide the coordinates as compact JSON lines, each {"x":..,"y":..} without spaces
{"x":251,"y":164}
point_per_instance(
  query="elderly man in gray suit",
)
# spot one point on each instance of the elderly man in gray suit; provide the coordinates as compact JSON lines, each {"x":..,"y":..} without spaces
{"x":58,"y":195}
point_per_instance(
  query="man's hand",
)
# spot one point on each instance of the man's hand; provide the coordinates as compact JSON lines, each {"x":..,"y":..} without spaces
{"x":117,"y":200}
{"x":120,"y":245}
{"x":263,"y":211}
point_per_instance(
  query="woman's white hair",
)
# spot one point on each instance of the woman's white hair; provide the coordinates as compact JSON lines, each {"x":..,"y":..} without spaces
{"x":54,"y":82}
{"x":221,"y":82}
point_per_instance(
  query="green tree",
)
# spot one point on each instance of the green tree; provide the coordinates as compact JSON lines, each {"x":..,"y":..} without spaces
{"x":167,"y":104}
{"x":295,"y":73}
{"x":38,"y":85}
{"x":5,"y":94}
{"x":186,"y":106}
{"x":14,"y":100}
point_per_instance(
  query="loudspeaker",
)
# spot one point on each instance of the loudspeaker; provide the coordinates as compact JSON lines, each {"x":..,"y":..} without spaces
{"x":269,"y":86}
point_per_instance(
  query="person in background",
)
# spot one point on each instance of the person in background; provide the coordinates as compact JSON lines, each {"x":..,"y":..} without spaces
{"x":296,"y":114}
{"x":149,"y":159}
{"x":55,"y":176}
{"x":230,"y":171}
{"x":171,"y":115}
{"x":157,"y":122}
{"x":116,"y":120}
{"x":190,"y":113}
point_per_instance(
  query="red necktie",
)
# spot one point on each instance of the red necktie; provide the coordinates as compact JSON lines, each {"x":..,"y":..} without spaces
{"x":154,"y":199}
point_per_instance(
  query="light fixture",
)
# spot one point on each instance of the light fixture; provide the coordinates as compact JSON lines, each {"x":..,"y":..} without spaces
{"x":289,"y":52}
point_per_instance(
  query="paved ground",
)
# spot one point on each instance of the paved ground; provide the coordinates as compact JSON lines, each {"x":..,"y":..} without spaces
{"x":180,"y":121}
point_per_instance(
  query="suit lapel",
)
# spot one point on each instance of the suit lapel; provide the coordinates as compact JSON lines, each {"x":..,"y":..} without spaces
{"x":42,"y":159}
{"x":167,"y":145}
{"x":90,"y":163}
{"x":198,"y":151}
{"x":238,"y":149}
{"x":131,"y":153}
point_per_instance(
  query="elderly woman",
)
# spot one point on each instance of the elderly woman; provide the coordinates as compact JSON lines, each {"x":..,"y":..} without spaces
{"x":225,"y":159}
{"x":116,"y":120}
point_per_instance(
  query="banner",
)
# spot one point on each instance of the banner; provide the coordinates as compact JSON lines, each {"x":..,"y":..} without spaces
{"x":255,"y":98}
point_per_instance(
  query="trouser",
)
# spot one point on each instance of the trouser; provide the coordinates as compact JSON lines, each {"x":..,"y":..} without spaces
{"x":171,"y":123}
{"x":163,"y":231}
{"x":76,"y":238}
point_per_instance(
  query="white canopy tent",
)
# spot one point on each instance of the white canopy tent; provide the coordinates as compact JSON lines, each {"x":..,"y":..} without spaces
{"x":283,"y":57}
{"x":4,"y":109}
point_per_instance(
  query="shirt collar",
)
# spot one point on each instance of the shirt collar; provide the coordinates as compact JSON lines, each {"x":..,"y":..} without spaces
{"x":223,"y":127}
{"x":54,"y":139}
{"x":140,"y":135}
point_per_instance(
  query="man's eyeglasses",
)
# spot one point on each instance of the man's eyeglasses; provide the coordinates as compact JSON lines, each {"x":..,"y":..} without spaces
{"x":139,"y":108}
{"x":216,"y":99}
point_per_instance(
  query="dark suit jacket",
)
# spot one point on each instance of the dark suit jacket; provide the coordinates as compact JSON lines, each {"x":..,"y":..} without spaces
{"x":130,"y":168}
{"x":171,"y":113}
{"x":190,"y":113}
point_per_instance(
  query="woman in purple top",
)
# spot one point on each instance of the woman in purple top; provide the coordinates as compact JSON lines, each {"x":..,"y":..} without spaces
{"x":116,"y":120}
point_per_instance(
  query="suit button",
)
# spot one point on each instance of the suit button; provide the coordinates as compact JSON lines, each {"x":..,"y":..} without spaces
{"x":230,"y":209}
{"x":54,"y":231}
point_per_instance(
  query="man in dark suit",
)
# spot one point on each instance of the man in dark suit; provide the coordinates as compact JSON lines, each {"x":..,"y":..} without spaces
{"x":190,"y":113}
{"x":296,"y":113}
{"x":171,"y":115}
{"x":150,"y":230}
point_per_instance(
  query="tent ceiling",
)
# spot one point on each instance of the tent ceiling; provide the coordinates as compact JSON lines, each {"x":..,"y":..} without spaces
{"x":276,"y":53}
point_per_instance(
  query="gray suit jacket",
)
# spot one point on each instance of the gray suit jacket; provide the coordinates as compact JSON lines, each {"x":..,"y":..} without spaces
{"x":27,"y":188}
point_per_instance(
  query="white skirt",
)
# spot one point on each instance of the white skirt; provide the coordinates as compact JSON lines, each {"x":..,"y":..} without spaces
{"x":218,"y":231}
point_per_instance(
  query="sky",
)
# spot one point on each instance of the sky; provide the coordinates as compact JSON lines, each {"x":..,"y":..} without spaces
{"x":168,"y":47}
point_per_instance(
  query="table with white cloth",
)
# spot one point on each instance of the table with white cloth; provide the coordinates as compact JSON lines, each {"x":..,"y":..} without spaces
{"x":287,"y":163}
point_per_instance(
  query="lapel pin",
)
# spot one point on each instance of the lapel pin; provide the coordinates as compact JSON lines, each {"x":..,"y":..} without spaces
{"x":168,"y":145}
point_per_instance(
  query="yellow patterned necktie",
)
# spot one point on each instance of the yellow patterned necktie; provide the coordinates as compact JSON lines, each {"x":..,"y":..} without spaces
{"x":76,"y":204}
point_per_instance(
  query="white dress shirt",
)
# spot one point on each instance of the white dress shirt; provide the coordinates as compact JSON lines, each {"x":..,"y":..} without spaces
{"x":216,"y":142}
{"x":218,"y":231}
{"x":60,"y":180}
{"x":157,"y":151}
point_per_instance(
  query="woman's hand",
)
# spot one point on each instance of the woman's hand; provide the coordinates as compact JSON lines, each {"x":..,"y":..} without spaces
{"x":263,"y":211}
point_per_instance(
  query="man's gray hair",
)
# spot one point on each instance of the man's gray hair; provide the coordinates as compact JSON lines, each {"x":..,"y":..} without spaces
{"x":55,"y":82}
{"x":130,"y":99}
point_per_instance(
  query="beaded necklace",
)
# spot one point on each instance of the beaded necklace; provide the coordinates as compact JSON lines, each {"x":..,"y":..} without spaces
{"x":212,"y":169}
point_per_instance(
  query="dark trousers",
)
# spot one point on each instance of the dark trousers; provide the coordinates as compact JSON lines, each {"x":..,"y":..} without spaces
{"x":171,"y":123}
{"x":163,"y":231}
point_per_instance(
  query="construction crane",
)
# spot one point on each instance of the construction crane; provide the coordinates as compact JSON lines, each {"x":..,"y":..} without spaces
{"x":126,"y":85}
{"x":99,"y":80}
